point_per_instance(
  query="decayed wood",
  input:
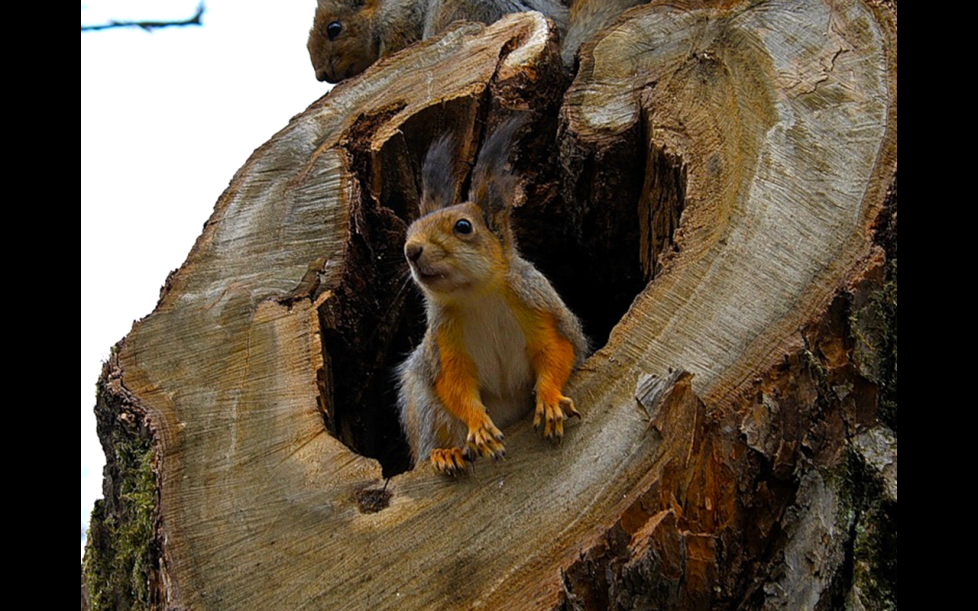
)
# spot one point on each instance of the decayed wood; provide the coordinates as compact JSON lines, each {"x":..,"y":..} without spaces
{"x":771,"y":128}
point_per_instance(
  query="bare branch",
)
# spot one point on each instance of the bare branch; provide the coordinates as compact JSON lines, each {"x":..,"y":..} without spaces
{"x":149,"y":26}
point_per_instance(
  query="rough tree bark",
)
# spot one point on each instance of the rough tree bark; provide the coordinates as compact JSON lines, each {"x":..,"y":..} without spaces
{"x":721,"y":175}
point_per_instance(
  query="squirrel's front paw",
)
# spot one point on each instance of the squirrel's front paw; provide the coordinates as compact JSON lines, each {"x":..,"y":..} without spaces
{"x":451,"y":461}
{"x":486,"y":440}
{"x":551,"y":416}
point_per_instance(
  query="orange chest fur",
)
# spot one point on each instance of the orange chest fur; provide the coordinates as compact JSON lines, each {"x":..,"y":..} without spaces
{"x":485,"y":345}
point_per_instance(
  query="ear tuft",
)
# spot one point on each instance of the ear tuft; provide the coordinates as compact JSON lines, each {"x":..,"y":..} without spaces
{"x":493,"y":184}
{"x":438,"y":175}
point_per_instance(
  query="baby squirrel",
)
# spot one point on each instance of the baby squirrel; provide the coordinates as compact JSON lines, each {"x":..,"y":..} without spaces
{"x":499,"y":339}
{"x":347,"y":36}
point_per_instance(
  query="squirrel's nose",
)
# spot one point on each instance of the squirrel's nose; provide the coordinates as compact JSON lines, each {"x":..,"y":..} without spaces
{"x":413,"y":251}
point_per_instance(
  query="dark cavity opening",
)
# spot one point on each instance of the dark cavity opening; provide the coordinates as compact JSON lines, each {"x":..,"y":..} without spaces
{"x":597,"y":222}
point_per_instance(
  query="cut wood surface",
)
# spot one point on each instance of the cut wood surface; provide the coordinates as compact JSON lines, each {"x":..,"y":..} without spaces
{"x":780,"y":113}
{"x":743,"y":150}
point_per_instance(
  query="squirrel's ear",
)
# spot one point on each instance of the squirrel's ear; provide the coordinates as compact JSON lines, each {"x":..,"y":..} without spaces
{"x":493,"y":184}
{"x":438,"y":175}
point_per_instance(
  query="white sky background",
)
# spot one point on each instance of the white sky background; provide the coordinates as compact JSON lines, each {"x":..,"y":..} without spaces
{"x":166,"y":119}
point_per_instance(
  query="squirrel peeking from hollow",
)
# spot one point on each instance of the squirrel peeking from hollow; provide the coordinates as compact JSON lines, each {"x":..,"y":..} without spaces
{"x":499,"y":339}
{"x":347,"y":36}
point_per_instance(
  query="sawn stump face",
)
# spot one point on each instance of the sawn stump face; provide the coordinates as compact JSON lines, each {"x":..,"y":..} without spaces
{"x":737,"y":156}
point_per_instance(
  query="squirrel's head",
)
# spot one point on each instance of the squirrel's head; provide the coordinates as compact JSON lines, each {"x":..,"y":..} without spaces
{"x":455,"y":250}
{"x":341,"y":41}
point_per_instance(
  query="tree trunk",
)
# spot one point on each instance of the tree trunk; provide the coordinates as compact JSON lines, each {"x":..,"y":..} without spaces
{"x":714,"y":195}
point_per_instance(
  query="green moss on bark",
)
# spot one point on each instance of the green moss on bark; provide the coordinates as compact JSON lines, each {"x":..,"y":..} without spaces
{"x":872,"y":568}
{"x":121,"y":556}
{"x":887,"y":302}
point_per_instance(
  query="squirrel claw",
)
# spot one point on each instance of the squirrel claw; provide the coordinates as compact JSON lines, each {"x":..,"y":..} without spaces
{"x":450,"y":462}
{"x":552,"y":417}
{"x":567,"y":404}
{"x":486,"y":440}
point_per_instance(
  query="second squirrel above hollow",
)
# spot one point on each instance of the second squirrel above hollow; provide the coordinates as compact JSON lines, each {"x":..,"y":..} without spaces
{"x":347,"y":36}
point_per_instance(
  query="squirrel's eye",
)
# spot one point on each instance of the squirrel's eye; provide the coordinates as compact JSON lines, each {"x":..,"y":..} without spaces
{"x":333,"y":29}
{"x":463,"y":226}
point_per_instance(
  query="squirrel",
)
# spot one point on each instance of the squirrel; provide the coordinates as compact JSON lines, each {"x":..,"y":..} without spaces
{"x":499,"y":339}
{"x":347,"y":36}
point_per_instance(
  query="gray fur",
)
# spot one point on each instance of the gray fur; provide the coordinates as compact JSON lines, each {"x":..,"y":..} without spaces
{"x":422,"y":414}
{"x":441,"y":13}
{"x":535,"y":290}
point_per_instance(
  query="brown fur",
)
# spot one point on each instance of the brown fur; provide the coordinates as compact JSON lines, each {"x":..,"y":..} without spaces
{"x":367,"y":30}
